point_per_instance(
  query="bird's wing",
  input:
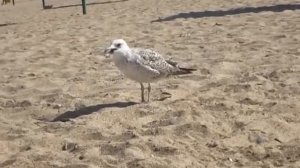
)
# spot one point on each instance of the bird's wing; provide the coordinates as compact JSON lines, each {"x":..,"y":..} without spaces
{"x":153,"y":60}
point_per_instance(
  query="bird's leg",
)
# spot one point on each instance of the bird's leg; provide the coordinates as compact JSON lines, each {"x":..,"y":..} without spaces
{"x":149,"y":90}
{"x":142,"y":92}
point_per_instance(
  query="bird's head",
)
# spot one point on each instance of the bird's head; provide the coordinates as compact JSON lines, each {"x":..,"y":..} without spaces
{"x":118,"y":46}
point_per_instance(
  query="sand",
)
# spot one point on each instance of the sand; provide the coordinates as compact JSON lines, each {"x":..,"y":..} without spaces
{"x":64,"y":105}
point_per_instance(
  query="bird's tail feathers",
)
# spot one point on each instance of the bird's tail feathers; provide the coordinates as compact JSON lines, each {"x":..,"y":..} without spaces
{"x":183,"y":71}
{"x":180,"y":70}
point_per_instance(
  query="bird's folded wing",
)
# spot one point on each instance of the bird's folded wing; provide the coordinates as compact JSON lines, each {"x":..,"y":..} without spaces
{"x":153,"y":60}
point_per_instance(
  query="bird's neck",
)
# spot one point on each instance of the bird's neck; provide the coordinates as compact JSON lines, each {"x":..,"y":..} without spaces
{"x":122,"y":55}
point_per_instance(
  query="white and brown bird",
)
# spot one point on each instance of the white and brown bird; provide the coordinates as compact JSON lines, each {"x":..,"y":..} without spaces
{"x":143,"y":65}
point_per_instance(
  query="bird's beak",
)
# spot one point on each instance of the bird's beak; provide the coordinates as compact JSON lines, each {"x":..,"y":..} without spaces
{"x":109,"y":50}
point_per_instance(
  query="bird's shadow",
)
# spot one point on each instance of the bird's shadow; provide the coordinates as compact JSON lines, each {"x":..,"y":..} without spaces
{"x":66,"y":116}
{"x":7,"y":24}
{"x":234,"y":11}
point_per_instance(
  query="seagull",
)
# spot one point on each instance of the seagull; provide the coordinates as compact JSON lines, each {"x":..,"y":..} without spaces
{"x":143,"y":65}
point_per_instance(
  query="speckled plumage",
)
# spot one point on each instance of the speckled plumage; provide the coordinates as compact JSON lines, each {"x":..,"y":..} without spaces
{"x":154,"y":61}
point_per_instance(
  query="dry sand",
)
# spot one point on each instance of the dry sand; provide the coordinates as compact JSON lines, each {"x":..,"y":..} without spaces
{"x":64,"y":105}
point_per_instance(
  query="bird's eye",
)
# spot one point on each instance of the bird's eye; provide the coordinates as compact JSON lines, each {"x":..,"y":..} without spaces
{"x":118,"y":45}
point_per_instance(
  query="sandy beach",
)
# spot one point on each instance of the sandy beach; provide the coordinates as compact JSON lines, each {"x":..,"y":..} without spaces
{"x":64,"y":105}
